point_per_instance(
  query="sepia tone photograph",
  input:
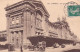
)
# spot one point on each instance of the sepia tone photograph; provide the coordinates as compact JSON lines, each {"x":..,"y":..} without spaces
{"x":39,"y":25}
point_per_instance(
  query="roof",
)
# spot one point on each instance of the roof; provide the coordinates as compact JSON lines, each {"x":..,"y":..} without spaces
{"x":33,"y":2}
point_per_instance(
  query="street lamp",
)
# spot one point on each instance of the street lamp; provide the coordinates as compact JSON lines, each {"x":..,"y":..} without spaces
{"x":21,"y":41}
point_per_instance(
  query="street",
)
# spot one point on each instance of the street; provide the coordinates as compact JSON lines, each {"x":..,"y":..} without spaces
{"x":73,"y":50}
{"x":68,"y":48}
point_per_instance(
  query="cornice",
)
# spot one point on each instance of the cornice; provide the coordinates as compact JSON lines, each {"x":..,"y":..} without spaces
{"x":19,"y":4}
{"x":39,"y":2}
{"x":26,"y":2}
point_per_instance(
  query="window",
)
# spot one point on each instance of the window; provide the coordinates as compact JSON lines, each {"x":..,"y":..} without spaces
{"x":13,"y":21}
{"x":13,"y":39}
{"x":17,"y":20}
{"x":38,"y":23}
{"x":39,"y":33}
{"x":22,"y":20}
{"x":36,"y":33}
{"x":39,"y":16}
{"x":39,"y":19}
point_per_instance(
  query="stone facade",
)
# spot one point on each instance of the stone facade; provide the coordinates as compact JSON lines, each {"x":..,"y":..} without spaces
{"x":25,"y":19}
{"x":30,"y":18}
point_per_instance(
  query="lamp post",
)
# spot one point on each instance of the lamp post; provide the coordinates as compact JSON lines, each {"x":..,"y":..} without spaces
{"x":21,"y":48}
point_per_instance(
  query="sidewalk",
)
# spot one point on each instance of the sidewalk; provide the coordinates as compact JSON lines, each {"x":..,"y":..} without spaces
{"x":26,"y":50}
{"x":6,"y":50}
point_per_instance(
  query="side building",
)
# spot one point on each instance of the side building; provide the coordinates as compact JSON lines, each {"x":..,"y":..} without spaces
{"x":3,"y":37}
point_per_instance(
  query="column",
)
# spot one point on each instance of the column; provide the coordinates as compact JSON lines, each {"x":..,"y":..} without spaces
{"x":32,"y":25}
{"x":25,"y":27}
{"x":8,"y":25}
{"x":44,"y":25}
{"x":14,"y":38}
{"x":58,"y":32}
{"x":17,"y":39}
{"x":11,"y":37}
{"x":20,"y":39}
{"x":28,"y":23}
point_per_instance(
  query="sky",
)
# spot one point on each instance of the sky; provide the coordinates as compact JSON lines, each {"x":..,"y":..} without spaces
{"x":55,"y":8}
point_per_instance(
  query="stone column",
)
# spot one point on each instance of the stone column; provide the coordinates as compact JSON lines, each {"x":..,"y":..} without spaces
{"x":33,"y":25}
{"x":11,"y":36}
{"x":59,"y":32}
{"x":43,"y":21}
{"x":14,"y":38}
{"x":44,"y":25}
{"x":17,"y":39}
{"x":28,"y":23}
{"x":8,"y":25}
{"x":27,"y":26}
{"x":20,"y":19}
{"x":62,"y":32}
{"x":20,"y":39}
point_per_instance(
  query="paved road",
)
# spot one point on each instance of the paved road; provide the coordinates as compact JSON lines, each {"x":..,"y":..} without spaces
{"x":73,"y":50}
{"x":68,"y":48}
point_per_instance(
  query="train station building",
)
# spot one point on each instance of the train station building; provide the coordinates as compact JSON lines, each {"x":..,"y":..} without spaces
{"x":29,"y":18}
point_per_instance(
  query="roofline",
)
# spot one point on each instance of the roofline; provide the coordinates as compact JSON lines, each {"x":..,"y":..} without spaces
{"x":22,"y":2}
{"x":45,"y":9}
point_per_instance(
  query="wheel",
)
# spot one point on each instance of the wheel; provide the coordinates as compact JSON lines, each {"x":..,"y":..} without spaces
{"x":62,"y":46}
{"x":74,"y":44}
{"x":35,"y":48}
{"x":56,"y":45}
{"x":42,"y":46}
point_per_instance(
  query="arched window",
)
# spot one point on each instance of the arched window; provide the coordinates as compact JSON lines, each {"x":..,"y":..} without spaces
{"x":22,"y":19}
{"x":39,"y":19}
{"x":17,"y":20}
{"x":13,"y":39}
{"x":13,"y":20}
{"x":39,"y":14}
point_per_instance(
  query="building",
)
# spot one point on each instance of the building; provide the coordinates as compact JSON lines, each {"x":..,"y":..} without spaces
{"x":3,"y":37}
{"x":3,"y":34}
{"x":29,"y":18}
{"x":25,"y":19}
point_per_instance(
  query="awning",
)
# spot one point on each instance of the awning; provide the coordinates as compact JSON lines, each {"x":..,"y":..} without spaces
{"x":49,"y":40}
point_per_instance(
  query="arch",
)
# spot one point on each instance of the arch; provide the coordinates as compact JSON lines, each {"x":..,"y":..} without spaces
{"x":39,"y":12}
